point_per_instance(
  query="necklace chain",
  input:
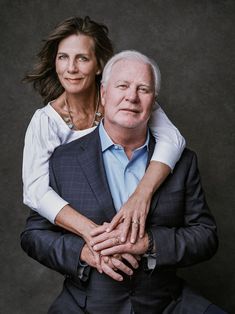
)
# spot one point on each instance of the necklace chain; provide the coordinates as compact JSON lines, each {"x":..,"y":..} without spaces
{"x":69,"y":120}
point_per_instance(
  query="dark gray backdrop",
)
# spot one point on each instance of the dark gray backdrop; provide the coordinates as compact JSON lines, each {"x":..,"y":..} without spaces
{"x":193,"y":42}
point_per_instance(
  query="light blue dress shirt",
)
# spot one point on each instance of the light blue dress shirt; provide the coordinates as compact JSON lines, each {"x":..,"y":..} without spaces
{"x":123,"y":175}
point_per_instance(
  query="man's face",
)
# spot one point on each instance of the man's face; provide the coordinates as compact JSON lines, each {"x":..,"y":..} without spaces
{"x":129,"y":95}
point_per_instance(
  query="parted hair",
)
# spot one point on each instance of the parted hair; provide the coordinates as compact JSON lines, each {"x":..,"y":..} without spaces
{"x":44,"y":76}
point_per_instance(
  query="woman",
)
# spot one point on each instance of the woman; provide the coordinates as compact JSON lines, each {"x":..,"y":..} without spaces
{"x":67,"y":77}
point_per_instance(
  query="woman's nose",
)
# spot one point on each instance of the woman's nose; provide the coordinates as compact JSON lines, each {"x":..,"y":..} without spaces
{"x":72,"y":66}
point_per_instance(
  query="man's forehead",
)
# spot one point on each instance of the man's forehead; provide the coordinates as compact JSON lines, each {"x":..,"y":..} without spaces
{"x":132,"y":68}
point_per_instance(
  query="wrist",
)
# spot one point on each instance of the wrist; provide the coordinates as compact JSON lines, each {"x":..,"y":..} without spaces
{"x":145,"y":191}
{"x":83,"y":253}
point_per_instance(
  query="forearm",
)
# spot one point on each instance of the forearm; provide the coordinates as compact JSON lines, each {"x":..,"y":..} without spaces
{"x":51,"y":246}
{"x":155,"y":174}
{"x":184,"y":246}
{"x":71,"y":220}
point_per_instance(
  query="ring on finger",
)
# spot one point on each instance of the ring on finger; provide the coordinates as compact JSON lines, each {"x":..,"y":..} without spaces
{"x":117,"y":240}
{"x":136,"y":222}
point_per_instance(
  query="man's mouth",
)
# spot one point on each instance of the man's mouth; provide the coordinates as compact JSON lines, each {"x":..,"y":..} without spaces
{"x":130,"y":110}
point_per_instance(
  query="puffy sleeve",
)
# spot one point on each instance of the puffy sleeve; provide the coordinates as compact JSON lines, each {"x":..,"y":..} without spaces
{"x":41,"y":139}
{"x":169,"y":142}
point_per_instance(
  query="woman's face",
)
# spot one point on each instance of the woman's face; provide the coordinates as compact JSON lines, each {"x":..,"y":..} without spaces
{"x":76,"y":64}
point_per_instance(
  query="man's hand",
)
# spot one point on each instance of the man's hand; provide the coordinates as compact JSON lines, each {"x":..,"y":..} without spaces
{"x":110,"y":244}
{"x":110,"y":265}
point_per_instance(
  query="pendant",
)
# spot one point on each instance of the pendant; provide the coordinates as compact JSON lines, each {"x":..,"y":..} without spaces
{"x":70,"y":125}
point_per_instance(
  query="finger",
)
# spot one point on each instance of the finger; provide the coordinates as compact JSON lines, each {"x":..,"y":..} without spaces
{"x":121,"y":266}
{"x":118,"y":249}
{"x":131,"y":260}
{"x":98,"y":230}
{"x":106,"y":244}
{"x":142,"y":226}
{"x":103,"y":237}
{"x":100,"y":238}
{"x":134,"y":230}
{"x":97,"y":261}
{"x":110,"y":272}
{"x":125,"y":228}
{"x":115,"y":221}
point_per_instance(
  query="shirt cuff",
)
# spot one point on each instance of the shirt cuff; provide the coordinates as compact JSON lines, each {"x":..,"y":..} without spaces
{"x":166,"y":153}
{"x":50,"y":205}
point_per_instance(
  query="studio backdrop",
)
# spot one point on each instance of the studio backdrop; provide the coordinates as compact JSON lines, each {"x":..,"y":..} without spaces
{"x":193,"y":44}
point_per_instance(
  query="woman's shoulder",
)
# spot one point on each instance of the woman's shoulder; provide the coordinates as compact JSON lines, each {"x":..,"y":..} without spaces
{"x":46,"y":116}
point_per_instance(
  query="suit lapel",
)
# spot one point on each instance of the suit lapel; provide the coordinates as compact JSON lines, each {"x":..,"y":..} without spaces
{"x":91,"y":162}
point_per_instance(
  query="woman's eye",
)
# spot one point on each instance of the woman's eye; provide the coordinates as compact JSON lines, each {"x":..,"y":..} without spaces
{"x":82,"y":58}
{"x":62,"y":57}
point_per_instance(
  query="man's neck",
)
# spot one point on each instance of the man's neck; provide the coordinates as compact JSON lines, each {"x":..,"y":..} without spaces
{"x":129,"y":139}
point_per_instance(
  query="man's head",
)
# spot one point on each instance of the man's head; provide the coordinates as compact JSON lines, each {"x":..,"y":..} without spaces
{"x":130,"y":84}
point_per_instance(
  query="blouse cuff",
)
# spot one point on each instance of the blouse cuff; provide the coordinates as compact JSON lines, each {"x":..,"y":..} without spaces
{"x":166,"y":153}
{"x":50,"y":205}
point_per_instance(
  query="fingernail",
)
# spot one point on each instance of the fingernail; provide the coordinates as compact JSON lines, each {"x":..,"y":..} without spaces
{"x":130,"y":272}
{"x":95,"y":247}
{"x":120,"y":278}
{"x":123,"y":239}
{"x":132,"y":241}
{"x":107,"y":230}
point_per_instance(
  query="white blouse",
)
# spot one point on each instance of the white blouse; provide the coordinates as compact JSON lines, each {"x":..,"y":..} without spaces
{"x":47,"y":130}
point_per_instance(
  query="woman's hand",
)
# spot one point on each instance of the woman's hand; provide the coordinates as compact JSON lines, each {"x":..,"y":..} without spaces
{"x":132,"y":215}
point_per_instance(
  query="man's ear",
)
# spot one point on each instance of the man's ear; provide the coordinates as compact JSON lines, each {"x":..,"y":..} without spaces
{"x":102,"y":94}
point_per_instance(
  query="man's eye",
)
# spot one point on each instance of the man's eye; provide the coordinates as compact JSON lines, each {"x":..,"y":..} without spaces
{"x":144,"y":90}
{"x":122,"y":86}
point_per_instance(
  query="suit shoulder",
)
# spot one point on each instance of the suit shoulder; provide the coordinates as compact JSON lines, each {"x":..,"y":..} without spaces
{"x":73,"y":147}
{"x":188,"y":154}
{"x":187,"y":159}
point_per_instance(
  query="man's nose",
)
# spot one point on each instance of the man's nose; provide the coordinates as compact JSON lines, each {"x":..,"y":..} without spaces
{"x":132,"y":95}
{"x":72,"y":66}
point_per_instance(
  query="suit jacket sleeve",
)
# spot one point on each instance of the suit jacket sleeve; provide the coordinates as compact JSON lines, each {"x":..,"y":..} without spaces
{"x":195,"y":239}
{"x":51,"y":245}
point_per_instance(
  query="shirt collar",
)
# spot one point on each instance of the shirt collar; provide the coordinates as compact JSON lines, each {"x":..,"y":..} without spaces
{"x":106,"y":141}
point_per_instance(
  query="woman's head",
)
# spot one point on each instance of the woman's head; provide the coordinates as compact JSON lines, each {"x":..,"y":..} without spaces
{"x":44,"y":76}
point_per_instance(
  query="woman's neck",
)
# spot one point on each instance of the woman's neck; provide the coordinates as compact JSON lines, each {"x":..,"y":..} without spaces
{"x":82,"y":103}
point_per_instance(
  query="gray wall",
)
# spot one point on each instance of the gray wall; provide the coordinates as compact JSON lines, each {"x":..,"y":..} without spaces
{"x":193,"y":42}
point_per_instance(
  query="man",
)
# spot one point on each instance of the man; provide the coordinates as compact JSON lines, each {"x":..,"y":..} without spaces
{"x":96,"y":174}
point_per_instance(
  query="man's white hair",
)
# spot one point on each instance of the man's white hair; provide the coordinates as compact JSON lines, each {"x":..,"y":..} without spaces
{"x":132,"y":55}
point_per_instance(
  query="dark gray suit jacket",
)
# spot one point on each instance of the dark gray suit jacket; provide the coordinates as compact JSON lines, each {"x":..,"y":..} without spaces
{"x":182,"y":225}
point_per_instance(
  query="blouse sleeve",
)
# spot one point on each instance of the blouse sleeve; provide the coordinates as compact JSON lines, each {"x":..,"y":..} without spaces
{"x":169,"y":142}
{"x":41,"y":139}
